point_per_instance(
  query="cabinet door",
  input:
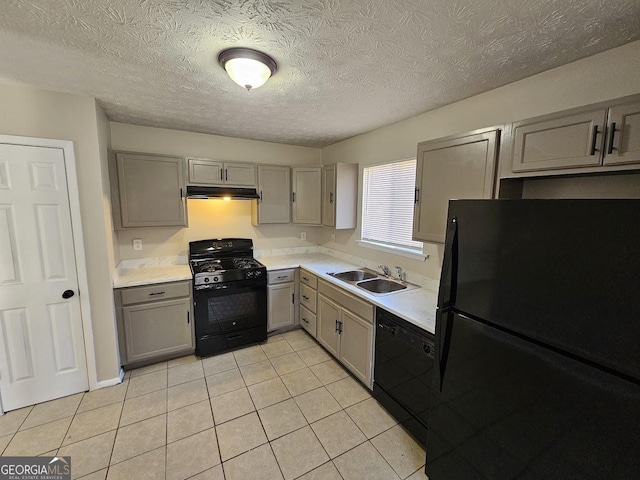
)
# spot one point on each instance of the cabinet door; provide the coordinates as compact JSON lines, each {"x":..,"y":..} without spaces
{"x":329,"y":196}
{"x":356,"y":346}
{"x":150,"y":190}
{"x":306,"y":195}
{"x":274,"y":187}
{"x":240,"y":174}
{"x":566,"y":142}
{"x":205,"y":172}
{"x":463,"y":167}
{"x":327,"y":325}
{"x":281,"y":306}
{"x":157,"y":328}
{"x":623,"y":143}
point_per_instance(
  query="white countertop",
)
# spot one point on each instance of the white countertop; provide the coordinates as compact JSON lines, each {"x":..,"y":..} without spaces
{"x":150,"y":274}
{"x":417,"y":306}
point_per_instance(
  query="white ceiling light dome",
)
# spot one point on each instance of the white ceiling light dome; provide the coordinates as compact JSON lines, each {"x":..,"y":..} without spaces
{"x":247,"y":67}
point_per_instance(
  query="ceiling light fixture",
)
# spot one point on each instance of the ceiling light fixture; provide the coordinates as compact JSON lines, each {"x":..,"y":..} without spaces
{"x":247,"y":67}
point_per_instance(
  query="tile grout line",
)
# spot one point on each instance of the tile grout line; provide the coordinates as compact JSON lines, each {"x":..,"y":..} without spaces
{"x":115,"y":438}
{"x":166,"y":427}
{"x":213,"y":420}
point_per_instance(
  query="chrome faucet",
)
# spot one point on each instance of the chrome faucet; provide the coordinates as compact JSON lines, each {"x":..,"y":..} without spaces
{"x":385,"y":270}
{"x":400,"y":274}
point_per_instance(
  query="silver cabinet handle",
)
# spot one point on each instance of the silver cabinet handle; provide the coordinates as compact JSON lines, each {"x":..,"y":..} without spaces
{"x":156,"y":293}
{"x":305,"y":278}
{"x":305,"y":297}
{"x":283,"y":276}
{"x":305,"y":320}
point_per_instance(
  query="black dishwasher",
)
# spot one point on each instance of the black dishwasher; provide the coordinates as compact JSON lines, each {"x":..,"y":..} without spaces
{"x":404,"y":362}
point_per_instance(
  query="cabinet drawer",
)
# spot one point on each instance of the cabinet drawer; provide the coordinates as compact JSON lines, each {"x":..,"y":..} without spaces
{"x":161,"y":291}
{"x":308,"y":297}
{"x":308,"y":279}
{"x":281,"y":276}
{"x":346,"y":300}
{"x":308,"y":321}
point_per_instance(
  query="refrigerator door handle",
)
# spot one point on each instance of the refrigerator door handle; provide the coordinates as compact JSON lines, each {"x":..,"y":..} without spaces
{"x":444,"y":329}
{"x":449,"y":279}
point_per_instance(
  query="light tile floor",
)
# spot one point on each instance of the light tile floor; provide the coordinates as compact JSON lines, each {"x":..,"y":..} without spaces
{"x":284,"y":409}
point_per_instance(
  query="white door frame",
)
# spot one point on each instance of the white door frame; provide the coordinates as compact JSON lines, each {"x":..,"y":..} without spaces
{"x":76,"y":225}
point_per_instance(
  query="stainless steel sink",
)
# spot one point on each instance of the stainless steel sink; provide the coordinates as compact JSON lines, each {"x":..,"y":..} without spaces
{"x":381,"y":285}
{"x":353,"y":275}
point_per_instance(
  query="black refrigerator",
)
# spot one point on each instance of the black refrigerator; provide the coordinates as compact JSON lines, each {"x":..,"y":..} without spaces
{"x":537,"y":371}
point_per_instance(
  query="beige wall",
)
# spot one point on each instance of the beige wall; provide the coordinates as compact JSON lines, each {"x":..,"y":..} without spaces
{"x":37,"y":113}
{"x":605,"y":76}
{"x":210,"y":218}
{"x":104,"y":145}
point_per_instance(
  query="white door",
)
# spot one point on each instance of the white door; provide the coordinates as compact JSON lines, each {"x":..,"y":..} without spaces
{"x":41,"y":339}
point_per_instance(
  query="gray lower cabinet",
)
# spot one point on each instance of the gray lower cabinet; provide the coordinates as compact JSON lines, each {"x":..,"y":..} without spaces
{"x":147,"y":190}
{"x":308,"y":301}
{"x":274,"y":188}
{"x":462,"y":166}
{"x":154,"y":322}
{"x":345,"y":328}
{"x":281,"y":299}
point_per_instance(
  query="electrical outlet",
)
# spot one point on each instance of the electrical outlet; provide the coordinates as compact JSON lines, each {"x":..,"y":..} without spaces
{"x":303,"y":235}
{"x":137,"y":244}
{"x":333,"y":237}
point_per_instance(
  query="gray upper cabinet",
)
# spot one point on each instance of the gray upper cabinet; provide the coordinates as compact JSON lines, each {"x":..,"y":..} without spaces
{"x":306,"y":195}
{"x":599,"y":138}
{"x":203,"y":171}
{"x":550,"y":143}
{"x":274,"y":188}
{"x":623,"y":144}
{"x":147,"y":191}
{"x":462,"y":166}
{"x":329,"y":195}
{"x":340,"y":195}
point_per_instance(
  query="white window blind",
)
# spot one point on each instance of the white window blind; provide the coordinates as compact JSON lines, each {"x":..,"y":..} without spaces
{"x":387,"y":204}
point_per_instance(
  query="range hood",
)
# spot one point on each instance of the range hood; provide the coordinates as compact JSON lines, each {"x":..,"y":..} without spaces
{"x":234,"y":193}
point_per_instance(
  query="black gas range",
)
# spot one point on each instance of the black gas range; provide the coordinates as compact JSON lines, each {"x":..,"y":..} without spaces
{"x":230,"y":294}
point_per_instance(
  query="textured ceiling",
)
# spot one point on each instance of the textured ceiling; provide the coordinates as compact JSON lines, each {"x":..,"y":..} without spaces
{"x":345,"y":66}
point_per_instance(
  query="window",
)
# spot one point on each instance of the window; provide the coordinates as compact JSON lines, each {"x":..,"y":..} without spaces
{"x":387,"y":206}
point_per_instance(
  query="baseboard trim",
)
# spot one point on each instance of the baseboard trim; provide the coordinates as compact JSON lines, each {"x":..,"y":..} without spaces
{"x":111,"y":381}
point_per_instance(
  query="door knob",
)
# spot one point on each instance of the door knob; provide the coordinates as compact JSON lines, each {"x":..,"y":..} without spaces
{"x":68,"y":294}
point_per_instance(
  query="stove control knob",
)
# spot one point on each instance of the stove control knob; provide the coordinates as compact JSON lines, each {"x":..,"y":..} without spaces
{"x":215,"y":279}
{"x":206,"y":280}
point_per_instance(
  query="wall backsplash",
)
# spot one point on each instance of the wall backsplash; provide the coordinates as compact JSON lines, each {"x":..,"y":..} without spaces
{"x":213,"y":219}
